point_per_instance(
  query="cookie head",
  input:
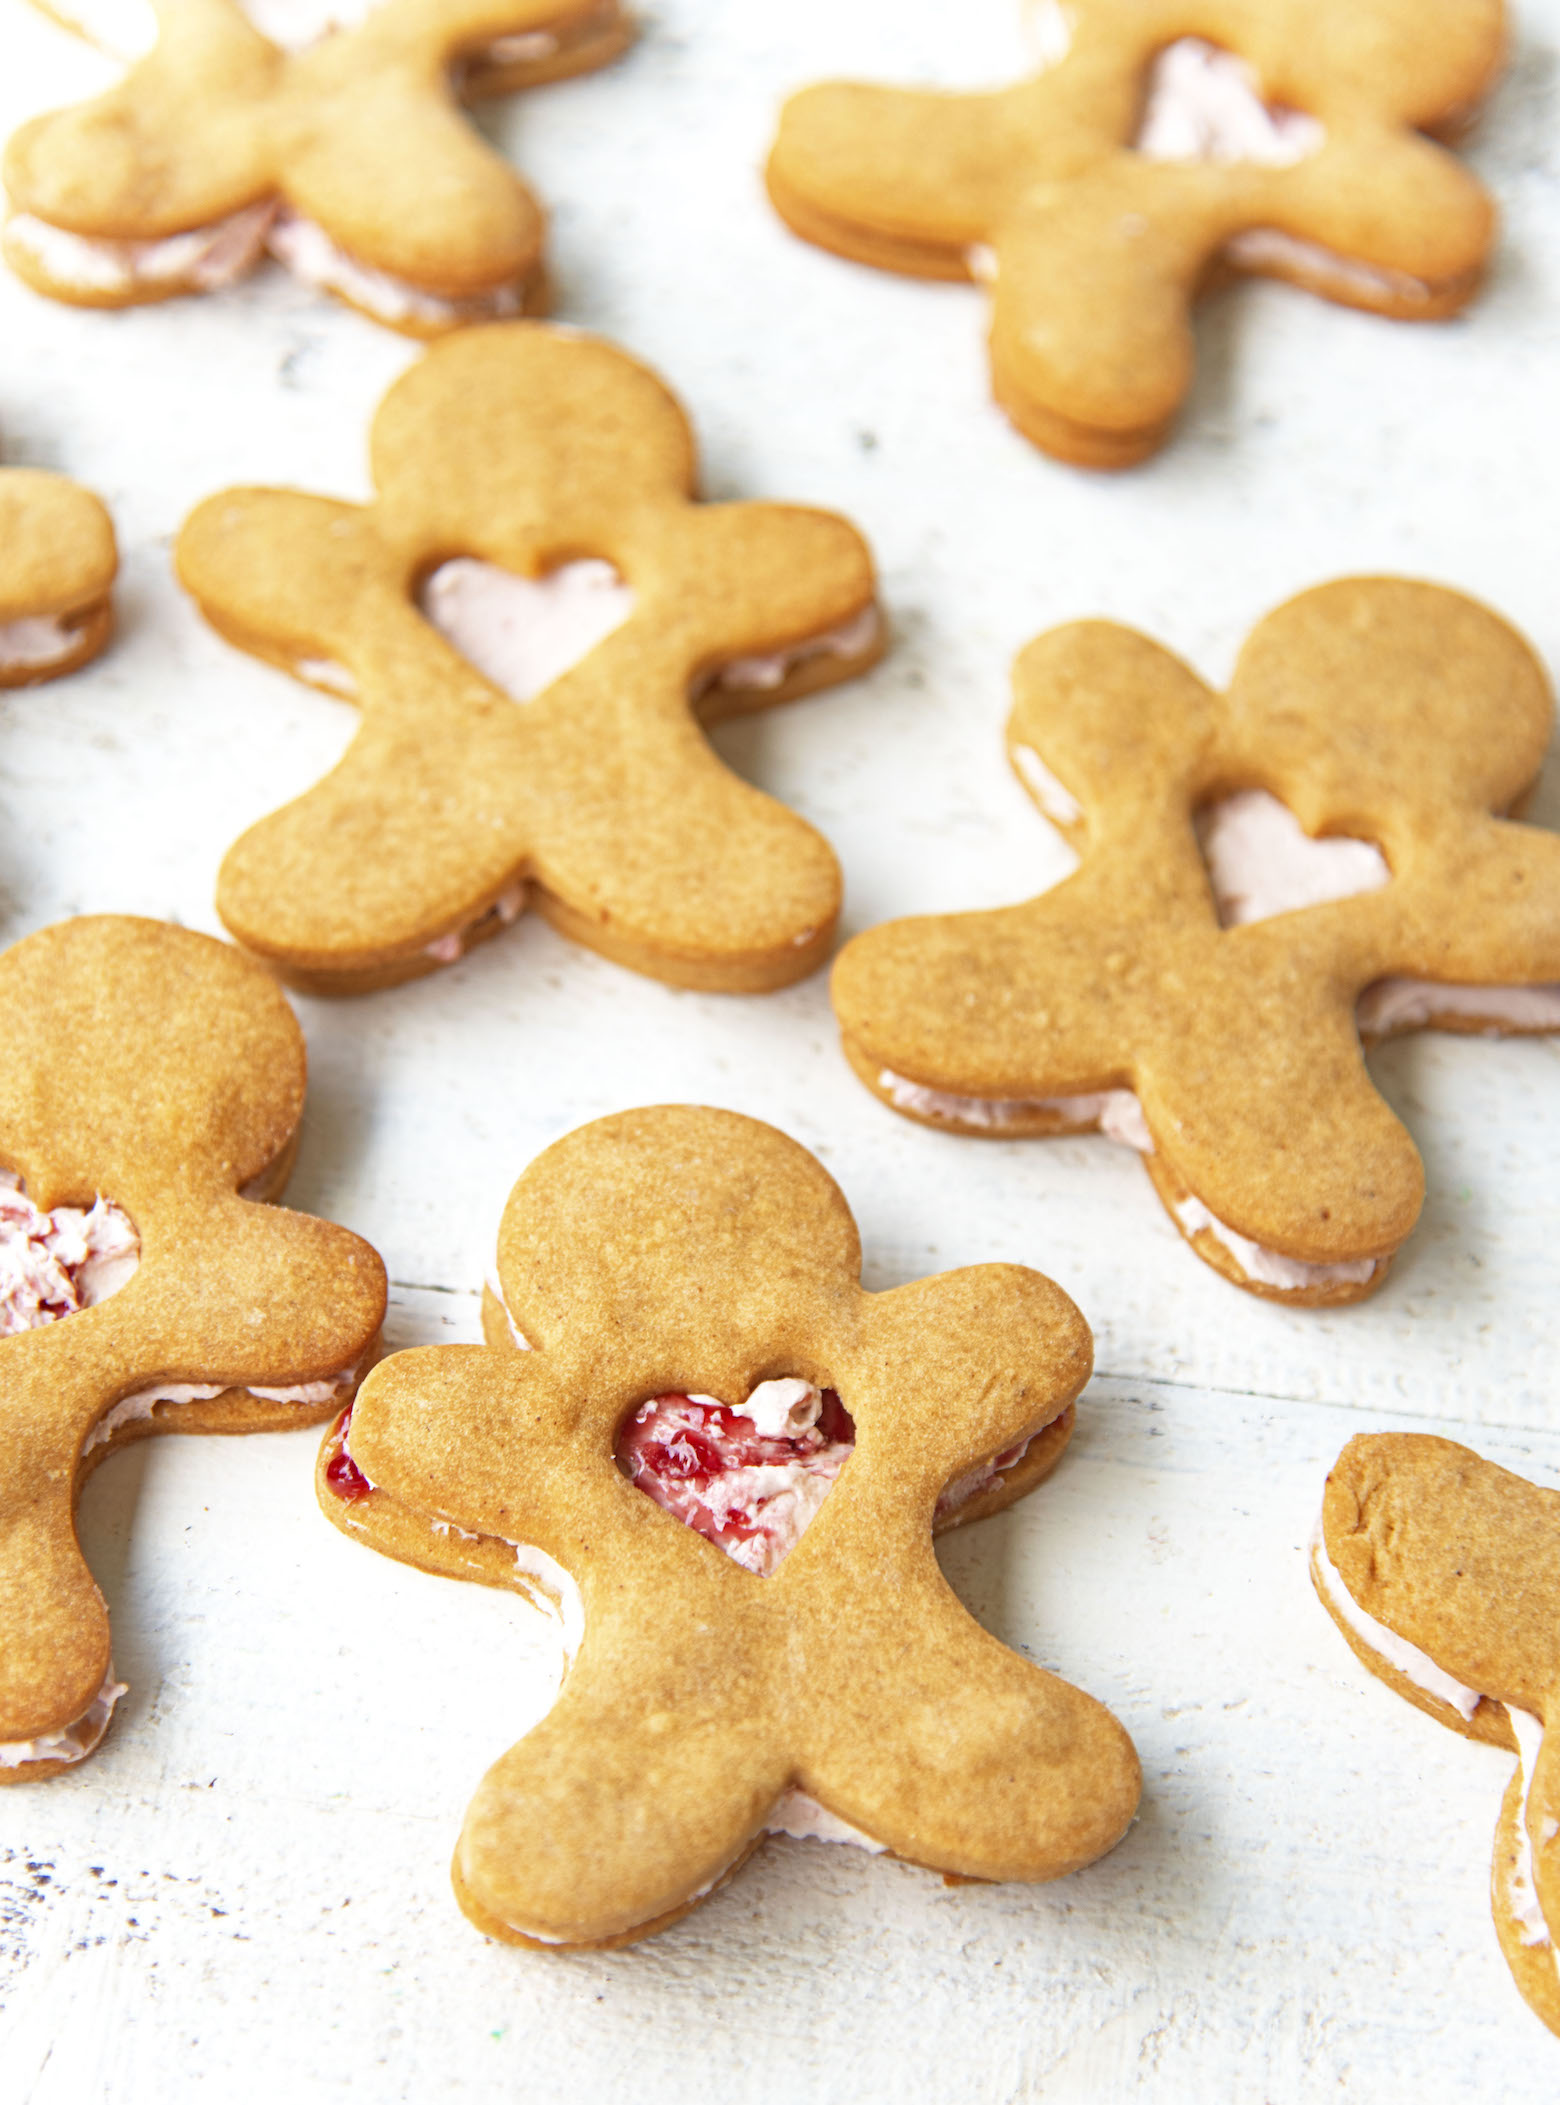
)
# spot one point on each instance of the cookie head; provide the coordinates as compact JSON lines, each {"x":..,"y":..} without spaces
{"x":1268,"y":878}
{"x":536,"y":621}
{"x":58,"y":562}
{"x":150,"y":1099}
{"x":739,"y":1458}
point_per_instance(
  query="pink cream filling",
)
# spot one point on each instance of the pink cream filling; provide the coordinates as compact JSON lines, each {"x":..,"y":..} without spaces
{"x":72,"y":1742}
{"x":56,"y":1264}
{"x":748,"y":1479}
{"x":206,"y":258}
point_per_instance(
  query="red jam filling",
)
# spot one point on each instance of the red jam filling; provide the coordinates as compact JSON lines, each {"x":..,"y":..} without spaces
{"x":341,"y":1472}
{"x":749,"y":1492}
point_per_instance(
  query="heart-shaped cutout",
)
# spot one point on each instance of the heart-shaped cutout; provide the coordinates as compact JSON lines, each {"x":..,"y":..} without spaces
{"x":749,"y":1477}
{"x":56,"y":1264}
{"x":1261,"y":862}
{"x":522,"y":633}
{"x":1205,"y":104}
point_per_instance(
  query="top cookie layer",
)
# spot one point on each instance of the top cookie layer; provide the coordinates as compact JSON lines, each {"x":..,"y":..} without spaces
{"x":1396,"y":711}
{"x":170,"y":182}
{"x":525,"y":447}
{"x":165,"y":1071}
{"x":1099,"y":230}
{"x":687,"y":1249}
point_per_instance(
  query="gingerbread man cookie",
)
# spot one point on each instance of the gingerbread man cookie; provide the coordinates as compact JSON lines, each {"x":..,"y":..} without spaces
{"x":325,"y":131}
{"x":1443,"y":1573}
{"x":58,"y":562}
{"x":534,"y":619}
{"x":1200,"y":986}
{"x":687,"y":1283}
{"x":150,"y":1096}
{"x":1165,"y":142}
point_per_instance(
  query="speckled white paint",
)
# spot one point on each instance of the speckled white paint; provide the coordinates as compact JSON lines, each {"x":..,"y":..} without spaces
{"x":245,"y":1892}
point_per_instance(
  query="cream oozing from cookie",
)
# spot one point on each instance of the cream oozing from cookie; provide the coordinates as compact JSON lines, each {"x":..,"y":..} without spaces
{"x":1418,"y":1668}
{"x":797,"y":1814}
{"x":141,"y":1405}
{"x":1114,"y":1112}
{"x":1270,"y":1267}
{"x":1410,"y":1004}
{"x":523,"y":633}
{"x":1118,"y":1114}
{"x":73,"y":1742}
{"x":1522,"y":1891}
{"x":1407,"y":1659}
{"x":205,"y":258}
{"x":34,"y":642}
{"x":547,"y":1586}
{"x":200,"y":259}
{"x":1054,"y":798}
{"x":311,"y":254}
{"x":763,"y":673}
{"x":56,"y":1264}
{"x":1205,"y":104}
{"x":506,"y":909}
{"x":1269,"y":251}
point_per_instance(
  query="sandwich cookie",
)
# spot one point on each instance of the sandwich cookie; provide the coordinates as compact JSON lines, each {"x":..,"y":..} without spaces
{"x":58,"y":562}
{"x":149,"y":1103}
{"x":536,"y":622}
{"x":694,"y":1431}
{"x":1163,"y":145}
{"x":1268,"y":878}
{"x":327,"y":133}
{"x":1443,"y":1573}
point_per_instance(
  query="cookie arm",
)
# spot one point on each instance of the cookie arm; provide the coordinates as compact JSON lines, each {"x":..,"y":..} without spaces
{"x":904,"y":180}
{"x":1456,"y":1555}
{"x":105,"y":167}
{"x":1384,"y":220}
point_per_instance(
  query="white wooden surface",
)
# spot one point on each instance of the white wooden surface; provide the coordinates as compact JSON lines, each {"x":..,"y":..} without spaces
{"x":245,"y":1893}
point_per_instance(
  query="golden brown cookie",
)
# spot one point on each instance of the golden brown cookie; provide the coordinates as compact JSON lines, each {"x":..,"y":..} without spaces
{"x":328,"y":132}
{"x":149,"y":1098}
{"x":1164,"y":144}
{"x":1224,"y":1044}
{"x":687,"y":1285}
{"x":534,"y":520}
{"x":1443,"y":1573}
{"x":58,"y":562}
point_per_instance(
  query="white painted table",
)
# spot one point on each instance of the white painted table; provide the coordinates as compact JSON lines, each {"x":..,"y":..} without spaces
{"x":245,"y":1893}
